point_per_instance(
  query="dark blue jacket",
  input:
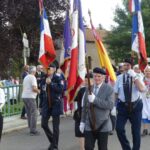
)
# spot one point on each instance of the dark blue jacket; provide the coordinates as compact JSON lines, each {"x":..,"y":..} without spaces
{"x":56,"y":90}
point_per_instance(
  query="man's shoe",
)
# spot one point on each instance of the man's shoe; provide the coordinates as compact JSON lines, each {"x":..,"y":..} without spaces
{"x":35,"y":133}
{"x":23,"y":117}
{"x":145,"y":132}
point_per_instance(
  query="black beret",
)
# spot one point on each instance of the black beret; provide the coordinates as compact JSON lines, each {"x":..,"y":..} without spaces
{"x":99,"y":70}
{"x":52,"y":66}
{"x":128,"y":60}
{"x":90,"y":75}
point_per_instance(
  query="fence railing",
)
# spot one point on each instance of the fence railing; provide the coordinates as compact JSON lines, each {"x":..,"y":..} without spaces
{"x":14,"y":103}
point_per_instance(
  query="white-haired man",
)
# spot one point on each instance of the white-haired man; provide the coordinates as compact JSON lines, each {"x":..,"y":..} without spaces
{"x":29,"y":94}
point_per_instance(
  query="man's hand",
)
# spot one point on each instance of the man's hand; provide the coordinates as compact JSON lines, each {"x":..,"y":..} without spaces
{"x":82,"y":126}
{"x":131,"y":73}
{"x":48,"y":80}
{"x":91,"y":98}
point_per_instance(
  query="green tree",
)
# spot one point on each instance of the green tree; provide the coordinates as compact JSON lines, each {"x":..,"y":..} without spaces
{"x":119,"y":39}
{"x":17,"y":17}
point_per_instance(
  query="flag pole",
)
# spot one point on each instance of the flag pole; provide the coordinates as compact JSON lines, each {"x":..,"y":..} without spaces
{"x":93,"y":123}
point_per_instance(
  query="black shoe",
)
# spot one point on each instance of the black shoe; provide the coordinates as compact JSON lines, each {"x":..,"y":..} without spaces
{"x":145,"y":132}
{"x":111,"y":133}
{"x":35,"y":133}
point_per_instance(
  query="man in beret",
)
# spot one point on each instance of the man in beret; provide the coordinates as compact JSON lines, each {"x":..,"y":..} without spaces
{"x":102,"y":101}
{"x":128,"y":90}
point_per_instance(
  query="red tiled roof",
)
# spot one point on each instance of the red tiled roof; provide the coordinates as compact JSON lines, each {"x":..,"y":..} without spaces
{"x":89,"y":35}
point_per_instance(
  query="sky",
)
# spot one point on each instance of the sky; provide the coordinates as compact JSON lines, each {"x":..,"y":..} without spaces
{"x":102,"y":11}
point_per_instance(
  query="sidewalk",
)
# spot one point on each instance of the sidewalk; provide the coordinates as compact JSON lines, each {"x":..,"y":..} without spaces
{"x":14,"y":123}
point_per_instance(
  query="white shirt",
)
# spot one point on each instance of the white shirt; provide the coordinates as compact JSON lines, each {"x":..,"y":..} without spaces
{"x":120,"y":90}
{"x":28,"y":83}
{"x":2,"y":99}
{"x":97,"y":89}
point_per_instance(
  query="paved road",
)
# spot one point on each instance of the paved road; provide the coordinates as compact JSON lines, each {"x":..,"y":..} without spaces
{"x":21,"y":140}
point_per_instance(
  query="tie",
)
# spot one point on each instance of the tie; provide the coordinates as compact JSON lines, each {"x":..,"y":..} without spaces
{"x":127,"y":90}
{"x":95,"y":90}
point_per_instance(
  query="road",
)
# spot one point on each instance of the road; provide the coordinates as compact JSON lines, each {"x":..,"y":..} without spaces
{"x":21,"y":140}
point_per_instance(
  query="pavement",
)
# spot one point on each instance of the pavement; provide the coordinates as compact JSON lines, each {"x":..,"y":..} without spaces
{"x":16,"y":136}
{"x":21,"y":139}
{"x":14,"y":123}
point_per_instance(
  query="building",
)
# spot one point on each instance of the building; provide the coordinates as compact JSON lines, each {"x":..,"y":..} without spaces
{"x":90,"y":46}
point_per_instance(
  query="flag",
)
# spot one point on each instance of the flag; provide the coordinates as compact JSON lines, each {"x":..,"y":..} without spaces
{"x":103,"y":56}
{"x":47,"y":52}
{"x":67,"y":44}
{"x":77,"y":62}
{"x":138,"y":37}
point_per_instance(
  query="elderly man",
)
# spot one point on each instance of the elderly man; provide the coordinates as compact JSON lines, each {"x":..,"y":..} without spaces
{"x":29,"y":94}
{"x":95,"y":120}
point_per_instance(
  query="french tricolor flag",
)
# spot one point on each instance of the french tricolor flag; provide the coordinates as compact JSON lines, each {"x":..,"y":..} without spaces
{"x":138,"y":37}
{"x":47,"y":52}
{"x":77,"y":61}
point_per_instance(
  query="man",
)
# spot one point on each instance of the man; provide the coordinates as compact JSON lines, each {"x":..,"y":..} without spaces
{"x":25,"y":72}
{"x":127,"y":88}
{"x":51,"y":104}
{"x":95,"y":120}
{"x":2,"y":102}
{"x":29,"y":94}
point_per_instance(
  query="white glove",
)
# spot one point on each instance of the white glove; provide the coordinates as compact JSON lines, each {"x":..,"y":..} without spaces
{"x":82,"y":126}
{"x":132,"y":73}
{"x":113,"y":111}
{"x":91,"y":98}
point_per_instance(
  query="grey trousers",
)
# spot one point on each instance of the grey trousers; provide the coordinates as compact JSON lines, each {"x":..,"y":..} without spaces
{"x":31,"y":109}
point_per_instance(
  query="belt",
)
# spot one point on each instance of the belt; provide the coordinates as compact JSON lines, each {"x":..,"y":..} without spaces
{"x":125,"y":103}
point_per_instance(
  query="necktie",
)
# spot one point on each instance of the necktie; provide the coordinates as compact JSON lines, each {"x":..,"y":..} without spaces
{"x":127,"y":90}
{"x":95,"y":90}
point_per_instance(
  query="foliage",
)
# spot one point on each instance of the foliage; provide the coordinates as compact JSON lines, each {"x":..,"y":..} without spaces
{"x":17,"y":17}
{"x":119,"y":39}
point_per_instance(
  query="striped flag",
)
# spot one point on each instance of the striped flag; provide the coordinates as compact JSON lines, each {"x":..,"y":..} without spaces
{"x":77,"y":62}
{"x":138,"y":37}
{"x":67,"y":44}
{"x":103,"y":56}
{"x":47,"y":52}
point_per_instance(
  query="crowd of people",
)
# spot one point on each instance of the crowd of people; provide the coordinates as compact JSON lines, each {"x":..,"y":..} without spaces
{"x":100,"y":108}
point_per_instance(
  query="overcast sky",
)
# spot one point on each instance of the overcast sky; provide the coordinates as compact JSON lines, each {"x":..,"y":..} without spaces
{"x":102,"y":11}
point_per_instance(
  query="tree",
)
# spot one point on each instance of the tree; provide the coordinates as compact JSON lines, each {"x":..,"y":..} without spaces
{"x":17,"y":17}
{"x":119,"y":39}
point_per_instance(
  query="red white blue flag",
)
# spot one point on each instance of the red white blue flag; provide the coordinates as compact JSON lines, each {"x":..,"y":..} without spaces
{"x":47,"y":52}
{"x":138,"y":37}
{"x":77,"y":62}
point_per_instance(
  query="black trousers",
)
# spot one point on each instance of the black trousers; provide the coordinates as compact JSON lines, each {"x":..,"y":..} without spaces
{"x":23,"y":111}
{"x":90,"y":139}
{"x":53,"y":137}
{"x":135,"y":119}
{"x":1,"y":125}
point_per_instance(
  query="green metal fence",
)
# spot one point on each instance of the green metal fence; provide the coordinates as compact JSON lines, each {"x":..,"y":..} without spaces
{"x":14,"y":103}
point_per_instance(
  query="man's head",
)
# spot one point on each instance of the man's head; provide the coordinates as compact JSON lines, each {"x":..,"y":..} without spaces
{"x":90,"y":75}
{"x":39,"y":68}
{"x":98,"y":75}
{"x":136,"y":68}
{"x":32,"y":70}
{"x":121,"y":67}
{"x":51,"y":69}
{"x":26,"y":68}
{"x":127,"y":64}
